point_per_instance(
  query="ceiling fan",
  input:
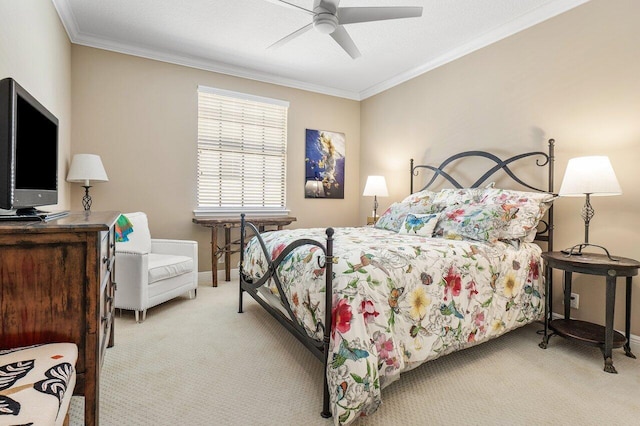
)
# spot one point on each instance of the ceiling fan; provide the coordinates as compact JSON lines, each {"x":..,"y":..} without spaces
{"x":329,"y":18}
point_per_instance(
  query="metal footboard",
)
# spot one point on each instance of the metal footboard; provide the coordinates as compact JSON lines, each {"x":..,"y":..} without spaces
{"x":319,"y":348}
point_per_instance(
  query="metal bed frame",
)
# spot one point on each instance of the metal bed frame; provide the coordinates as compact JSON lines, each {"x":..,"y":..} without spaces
{"x":320,"y":348}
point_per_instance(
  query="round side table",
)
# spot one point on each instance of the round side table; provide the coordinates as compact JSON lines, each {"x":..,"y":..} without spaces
{"x":582,"y":331}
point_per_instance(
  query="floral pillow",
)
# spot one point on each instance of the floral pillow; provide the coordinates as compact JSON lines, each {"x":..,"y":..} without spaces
{"x":450,"y":196}
{"x":418,"y":203}
{"x":497,"y":195}
{"x":523,"y":220}
{"x":488,"y":221}
{"x":419,"y":224}
{"x":479,"y":222}
{"x":420,"y":197}
{"x":524,"y":210}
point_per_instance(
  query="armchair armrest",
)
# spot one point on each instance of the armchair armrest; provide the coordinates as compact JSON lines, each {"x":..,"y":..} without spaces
{"x":175,"y":247}
{"x":131,"y":277}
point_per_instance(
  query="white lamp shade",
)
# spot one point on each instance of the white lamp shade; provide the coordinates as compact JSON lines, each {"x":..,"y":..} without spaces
{"x":376,"y":186}
{"x":589,"y":175}
{"x":85,"y":168}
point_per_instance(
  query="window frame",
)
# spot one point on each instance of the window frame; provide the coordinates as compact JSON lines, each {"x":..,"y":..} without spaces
{"x":238,"y":145}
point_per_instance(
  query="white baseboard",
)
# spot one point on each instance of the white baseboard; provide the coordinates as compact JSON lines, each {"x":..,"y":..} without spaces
{"x":633,"y":339}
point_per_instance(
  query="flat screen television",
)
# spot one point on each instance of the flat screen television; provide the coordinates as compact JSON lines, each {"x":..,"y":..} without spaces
{"x":28,"y":151}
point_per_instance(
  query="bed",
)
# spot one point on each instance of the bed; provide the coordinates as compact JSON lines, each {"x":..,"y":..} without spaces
{"x":442,"y":270}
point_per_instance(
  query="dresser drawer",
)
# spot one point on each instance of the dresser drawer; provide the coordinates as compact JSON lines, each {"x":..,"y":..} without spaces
{"x":107,"y":252}
{"x":106,"y":319}
{"x":107,"y":290}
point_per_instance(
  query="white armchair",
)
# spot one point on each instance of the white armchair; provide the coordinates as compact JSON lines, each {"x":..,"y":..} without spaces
{"x":151,"y":271}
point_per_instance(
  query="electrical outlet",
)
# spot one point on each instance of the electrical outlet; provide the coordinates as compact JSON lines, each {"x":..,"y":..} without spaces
{"x":575,"y":300}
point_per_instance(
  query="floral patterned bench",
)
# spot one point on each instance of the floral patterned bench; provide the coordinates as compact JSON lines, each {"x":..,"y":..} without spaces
{"x":36,"y":384}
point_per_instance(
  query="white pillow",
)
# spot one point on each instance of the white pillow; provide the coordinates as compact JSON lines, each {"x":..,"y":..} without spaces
{"x":419,"y":224}
{"x":139,"y":238}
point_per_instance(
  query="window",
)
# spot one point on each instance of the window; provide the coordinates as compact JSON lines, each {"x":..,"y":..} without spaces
{"x":242,"y":147}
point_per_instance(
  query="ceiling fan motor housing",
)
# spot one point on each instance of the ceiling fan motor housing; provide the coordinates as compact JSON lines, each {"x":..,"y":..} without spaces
{"x":325,"y":22}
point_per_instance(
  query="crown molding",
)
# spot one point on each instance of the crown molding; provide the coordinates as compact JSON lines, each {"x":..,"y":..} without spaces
{"x":77,"y":37}
{"x":523,"y":22}
{"x":208,"y":65}
{"x":537,"y":16}
{"x":67,"y":17}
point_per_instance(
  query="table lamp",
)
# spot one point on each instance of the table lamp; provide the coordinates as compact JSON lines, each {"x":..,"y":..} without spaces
{"x":84,"y":169}
{"x":375,"y":186}
{"x":588,"y":176}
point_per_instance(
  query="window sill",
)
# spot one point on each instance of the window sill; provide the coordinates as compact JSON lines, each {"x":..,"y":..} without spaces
{"x":202,"y":212}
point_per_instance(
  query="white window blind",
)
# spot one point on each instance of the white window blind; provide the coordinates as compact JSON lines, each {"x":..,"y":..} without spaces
{"x":242,"y":147}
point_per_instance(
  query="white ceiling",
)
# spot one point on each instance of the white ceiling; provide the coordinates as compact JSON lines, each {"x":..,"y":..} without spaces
{"x":232,"y":36}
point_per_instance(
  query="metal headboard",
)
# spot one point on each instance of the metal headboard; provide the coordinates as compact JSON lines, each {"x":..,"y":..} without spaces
{"x":545,"y":159}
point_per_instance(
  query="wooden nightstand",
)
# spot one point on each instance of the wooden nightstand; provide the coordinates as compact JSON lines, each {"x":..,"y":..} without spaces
{"x":585,"y":332}
{"x":372,"y":220}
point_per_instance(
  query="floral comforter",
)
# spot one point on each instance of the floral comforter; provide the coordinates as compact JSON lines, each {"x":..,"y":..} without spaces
{"x":399,"y":301}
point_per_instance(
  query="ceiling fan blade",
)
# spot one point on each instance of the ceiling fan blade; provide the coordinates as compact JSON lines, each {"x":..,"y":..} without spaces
{"x":354,"y":15}
{"x":291,"y":36}
{"x":342,"y":37}
{"x":291,"y":5}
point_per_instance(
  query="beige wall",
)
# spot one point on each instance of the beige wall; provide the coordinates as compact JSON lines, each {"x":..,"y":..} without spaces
{"x":35,"y":51}
{"x":573,"y":78}
{"x":140,"y":116}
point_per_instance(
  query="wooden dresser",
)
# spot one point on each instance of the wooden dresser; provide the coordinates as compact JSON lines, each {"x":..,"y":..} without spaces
{"x":57,"y":285}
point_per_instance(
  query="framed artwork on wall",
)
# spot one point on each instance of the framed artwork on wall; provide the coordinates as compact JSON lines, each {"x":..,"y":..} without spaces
{"x":324,"y":164}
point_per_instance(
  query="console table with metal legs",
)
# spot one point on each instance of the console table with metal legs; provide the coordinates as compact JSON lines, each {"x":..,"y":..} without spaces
{"x":606,"y":338}
{"x":227,"y":223}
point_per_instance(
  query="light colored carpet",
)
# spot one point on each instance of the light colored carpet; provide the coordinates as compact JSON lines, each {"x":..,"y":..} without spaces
{"x":199,"y":362}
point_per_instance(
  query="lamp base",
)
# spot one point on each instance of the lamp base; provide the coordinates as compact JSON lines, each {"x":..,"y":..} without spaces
{"x":86,"y":199}
{"x":577,"y":250}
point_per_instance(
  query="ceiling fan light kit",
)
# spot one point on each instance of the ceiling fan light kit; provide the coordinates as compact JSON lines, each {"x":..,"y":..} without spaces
{"x":325,"y":22}
{"x":330,"y":19}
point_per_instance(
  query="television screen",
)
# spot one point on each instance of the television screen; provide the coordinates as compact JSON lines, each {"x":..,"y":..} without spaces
{"x":35,"y":149}
{"x":28,"y":150}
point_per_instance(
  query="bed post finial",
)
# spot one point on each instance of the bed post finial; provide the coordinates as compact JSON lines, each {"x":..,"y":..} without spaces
{"x":411,"y":171}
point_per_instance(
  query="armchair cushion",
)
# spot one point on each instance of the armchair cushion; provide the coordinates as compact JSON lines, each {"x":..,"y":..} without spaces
{"x":165,"y":266}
